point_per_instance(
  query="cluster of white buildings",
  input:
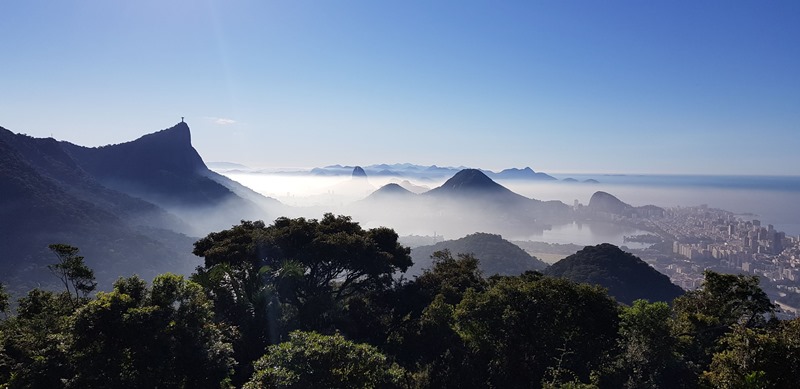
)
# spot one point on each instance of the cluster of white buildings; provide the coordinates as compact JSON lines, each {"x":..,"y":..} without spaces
{"x":736,"y":244}
{"x":707,"y":238}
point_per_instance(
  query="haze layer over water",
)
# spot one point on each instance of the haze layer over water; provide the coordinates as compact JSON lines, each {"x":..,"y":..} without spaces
{"x":771,"y":199}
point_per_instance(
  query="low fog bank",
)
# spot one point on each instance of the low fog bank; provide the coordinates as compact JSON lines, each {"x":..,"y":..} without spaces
{"x":311,"y":196}
{"x":319,"y":191}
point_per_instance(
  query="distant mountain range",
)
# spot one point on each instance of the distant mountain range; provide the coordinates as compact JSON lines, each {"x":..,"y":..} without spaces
{"x":398,"y":170}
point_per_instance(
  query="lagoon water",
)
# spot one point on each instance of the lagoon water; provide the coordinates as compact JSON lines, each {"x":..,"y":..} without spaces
{"x":588,"y":234}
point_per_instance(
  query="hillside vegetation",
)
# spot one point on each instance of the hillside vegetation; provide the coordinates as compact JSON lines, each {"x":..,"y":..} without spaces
{"x":305,"y":303}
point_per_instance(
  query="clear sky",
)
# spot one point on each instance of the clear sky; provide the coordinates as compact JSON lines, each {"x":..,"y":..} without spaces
{"x":561,"y":86}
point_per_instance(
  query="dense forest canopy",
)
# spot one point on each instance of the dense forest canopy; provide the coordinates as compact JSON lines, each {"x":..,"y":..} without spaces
{"x":314,"y":303}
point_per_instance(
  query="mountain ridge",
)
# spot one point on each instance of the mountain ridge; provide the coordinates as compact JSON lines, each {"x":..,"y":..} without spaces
{"x":37,"y":210}
{"x":128,"y":207}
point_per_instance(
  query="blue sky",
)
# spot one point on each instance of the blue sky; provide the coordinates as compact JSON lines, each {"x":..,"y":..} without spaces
{"x":561,"y":86}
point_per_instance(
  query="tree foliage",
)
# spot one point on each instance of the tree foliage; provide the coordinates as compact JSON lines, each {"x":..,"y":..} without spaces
{"x":758,"y":357}
{"x":132,"y":337}
{"x":35,"y":343}
{"x":4,"y":299}
{"x":137,"y":337}
{"x":523,"y":327}
{"x":359,"y":327}
{"x":72,"y":271}
{"x":294,"y":274}
{"x":705,"y":315}
{"x":648,"y":356}
{"x":311,"y":360}
{"x":423,"y":333}
{"x":338,"y":257}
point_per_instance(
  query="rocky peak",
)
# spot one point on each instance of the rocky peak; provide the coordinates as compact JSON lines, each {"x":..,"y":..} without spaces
{"x":358,"y":172}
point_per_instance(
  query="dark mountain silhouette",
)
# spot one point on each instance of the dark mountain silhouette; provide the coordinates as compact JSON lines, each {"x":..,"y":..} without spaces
{"x":50,"y":161}
{"x":358,"y":172}
{"x":163,"y":168}
{"x":605,"y":202}
{"x":46,"y":198}
{"x":474,"y":186}
{"x":626,"y":277}
{"x":469,"y":180}
{"x":473,"y":183}
{"x":496,"y":255}
{"x":128,"y":207}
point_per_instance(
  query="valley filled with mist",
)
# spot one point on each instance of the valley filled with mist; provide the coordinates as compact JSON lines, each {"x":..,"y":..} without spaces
{"x":771,"y":198}
{"x":156,"y":195}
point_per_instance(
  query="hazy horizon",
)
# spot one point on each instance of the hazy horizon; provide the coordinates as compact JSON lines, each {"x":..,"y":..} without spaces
{"x":772,"y":203}
{"x":557,"y":173}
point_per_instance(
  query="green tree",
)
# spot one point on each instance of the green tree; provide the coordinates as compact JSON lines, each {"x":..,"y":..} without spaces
{"x":36,"y":343}
{"x":138,"y":337}
{"x":4,"y":298}
{"x":423,"y":336}
{"x":72,"y":271}
{"x":311,"y":360}
{"x":339,"y":258}
{"x":648,"y":352}
{"x":294,"y":274}
{"x":758,"y":357}
{"x":705,"y":315}
{"x":335,"y":256}
{"x":451,"y":277}
{"x":532,"y":330}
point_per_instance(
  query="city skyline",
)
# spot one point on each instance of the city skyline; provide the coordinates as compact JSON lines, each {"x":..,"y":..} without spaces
{"x":562,"y":87}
